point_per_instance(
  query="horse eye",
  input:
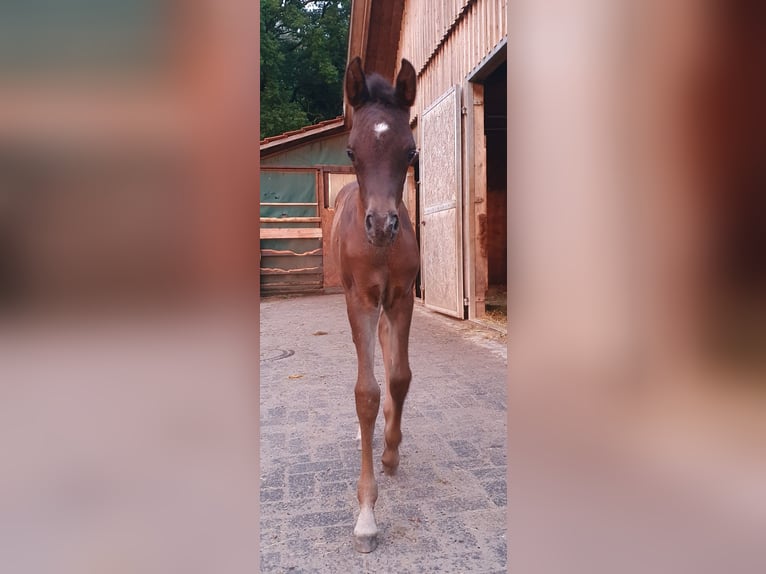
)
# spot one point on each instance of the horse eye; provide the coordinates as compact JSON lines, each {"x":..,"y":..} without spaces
{"x":411,"y":155}
{"x":350,"y":154}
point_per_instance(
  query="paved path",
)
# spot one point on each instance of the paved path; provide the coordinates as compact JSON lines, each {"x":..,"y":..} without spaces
{"x":444,"y":511}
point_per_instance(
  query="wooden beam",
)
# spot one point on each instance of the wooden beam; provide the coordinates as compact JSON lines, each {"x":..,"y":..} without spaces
{"x":289,"y":204}
{"x":287,"y":168}
{"x":276,"y":288}
{"x":478,"y":162}
{"x":291,"y":219}
{"x":287,"y":252}
{"x":286,"y":233}
{"x":304,"y":271}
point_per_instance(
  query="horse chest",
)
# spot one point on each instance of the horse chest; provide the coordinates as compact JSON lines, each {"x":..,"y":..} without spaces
{"x":378,"y":288}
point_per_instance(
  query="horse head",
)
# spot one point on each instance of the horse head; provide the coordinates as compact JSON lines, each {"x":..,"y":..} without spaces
{"x":380,"y":145}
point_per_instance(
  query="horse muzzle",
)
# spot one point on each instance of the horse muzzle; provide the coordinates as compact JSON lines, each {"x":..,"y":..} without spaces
{"x":381,"y":228}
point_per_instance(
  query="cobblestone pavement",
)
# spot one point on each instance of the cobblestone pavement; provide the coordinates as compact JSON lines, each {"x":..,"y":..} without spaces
{"x":445,"y":510}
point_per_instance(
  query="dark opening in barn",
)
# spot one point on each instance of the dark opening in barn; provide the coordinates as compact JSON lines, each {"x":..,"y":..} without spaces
{"x":495,"y":130}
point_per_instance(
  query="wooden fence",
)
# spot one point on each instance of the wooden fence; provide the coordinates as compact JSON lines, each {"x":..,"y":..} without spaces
{"x":291,"y":231}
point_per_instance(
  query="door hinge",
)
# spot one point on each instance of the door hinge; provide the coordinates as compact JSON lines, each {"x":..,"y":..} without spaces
{"x":466,"y":302}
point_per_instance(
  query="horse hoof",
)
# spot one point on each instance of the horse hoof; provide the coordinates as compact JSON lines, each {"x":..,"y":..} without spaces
{"x":390,"y":462}
{"x":365,"y":531}
{"x":389,"y":470}
{"x":366,"y":544}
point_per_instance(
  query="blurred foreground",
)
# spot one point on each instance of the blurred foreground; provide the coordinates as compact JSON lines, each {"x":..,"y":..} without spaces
{"x":128,"y":294}
{"x":637,"y":296}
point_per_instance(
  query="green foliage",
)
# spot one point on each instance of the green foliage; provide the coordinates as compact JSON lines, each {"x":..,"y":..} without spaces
{"x":303,"y":58}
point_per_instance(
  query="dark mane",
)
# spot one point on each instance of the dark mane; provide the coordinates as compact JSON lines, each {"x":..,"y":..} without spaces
{"x":381,"y":92}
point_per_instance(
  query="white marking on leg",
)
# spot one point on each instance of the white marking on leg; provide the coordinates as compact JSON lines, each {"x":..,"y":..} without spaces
{"x":366,"y":531}
{"x":380,"y":128}
{"x":358,"y":437}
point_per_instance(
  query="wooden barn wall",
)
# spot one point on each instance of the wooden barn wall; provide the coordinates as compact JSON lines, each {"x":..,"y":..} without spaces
{"x":446,"y":40}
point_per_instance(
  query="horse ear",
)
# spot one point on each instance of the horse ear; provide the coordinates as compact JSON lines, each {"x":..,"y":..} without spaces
{"x":356,"y":84}
{"x":406,"y":85}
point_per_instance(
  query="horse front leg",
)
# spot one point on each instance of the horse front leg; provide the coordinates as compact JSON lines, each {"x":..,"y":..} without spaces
{"x":398,"y":375}
{"x":363,"y":319}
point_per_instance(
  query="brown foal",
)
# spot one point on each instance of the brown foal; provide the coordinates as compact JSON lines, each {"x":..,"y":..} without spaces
{"x":375,"y":246}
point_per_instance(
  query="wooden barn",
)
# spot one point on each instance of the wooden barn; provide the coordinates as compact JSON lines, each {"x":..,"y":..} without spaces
{"x":458,"y":48}
{"x":456,"y":193}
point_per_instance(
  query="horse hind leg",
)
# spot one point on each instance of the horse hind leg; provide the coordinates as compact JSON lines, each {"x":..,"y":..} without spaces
{"x":396,"y":392}
{"x":398,"y":377}
{"x":384,"y":334}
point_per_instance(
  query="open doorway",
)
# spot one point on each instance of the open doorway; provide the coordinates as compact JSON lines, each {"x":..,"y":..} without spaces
{"x":495,"y":132}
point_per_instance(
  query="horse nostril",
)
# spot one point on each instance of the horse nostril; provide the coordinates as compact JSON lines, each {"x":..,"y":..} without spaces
{"x":394,"y":222}
{"x":368,"y":222}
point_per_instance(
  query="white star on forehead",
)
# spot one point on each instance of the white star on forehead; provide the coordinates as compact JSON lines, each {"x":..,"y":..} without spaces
{"x":380,"y":128}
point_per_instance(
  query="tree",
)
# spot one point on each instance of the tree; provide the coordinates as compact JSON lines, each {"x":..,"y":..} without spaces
{"x":303,"y":59}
